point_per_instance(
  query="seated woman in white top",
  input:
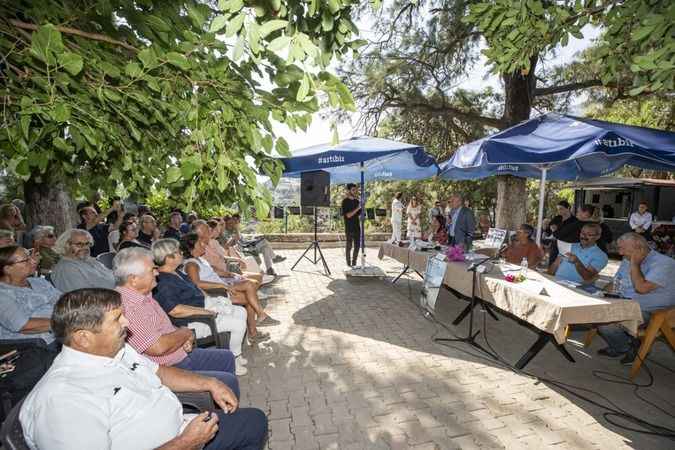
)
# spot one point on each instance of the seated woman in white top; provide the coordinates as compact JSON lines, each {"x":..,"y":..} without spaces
{"x":202,"y":274}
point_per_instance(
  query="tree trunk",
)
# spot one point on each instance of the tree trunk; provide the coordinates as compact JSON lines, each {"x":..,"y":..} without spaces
{"x":511,"y":191}
{"x":48,"y":203}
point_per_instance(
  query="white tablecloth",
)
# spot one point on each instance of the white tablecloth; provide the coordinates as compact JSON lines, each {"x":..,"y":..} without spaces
{"x":540,"y":301}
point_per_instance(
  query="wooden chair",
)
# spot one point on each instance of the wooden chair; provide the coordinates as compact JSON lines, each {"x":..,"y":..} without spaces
{"x":661,"y":322}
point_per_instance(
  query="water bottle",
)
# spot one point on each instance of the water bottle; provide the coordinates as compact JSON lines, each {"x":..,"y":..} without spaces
{"x":618,"y":284}
{"x":523,"y":267}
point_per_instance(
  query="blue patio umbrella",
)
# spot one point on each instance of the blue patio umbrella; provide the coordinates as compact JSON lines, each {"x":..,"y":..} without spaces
{"x":562,"y":147}
{"x":362,"y":159}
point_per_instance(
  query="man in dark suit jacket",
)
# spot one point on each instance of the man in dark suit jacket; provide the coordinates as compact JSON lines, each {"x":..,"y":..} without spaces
{"x":461,"y":223}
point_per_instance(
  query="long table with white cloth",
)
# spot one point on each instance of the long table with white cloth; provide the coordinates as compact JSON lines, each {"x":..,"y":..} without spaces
{"x":541,"y":302}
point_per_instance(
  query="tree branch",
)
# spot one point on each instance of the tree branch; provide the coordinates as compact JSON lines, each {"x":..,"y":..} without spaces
{"x":76,"y":32}
{"x":488,"y":121}
{"x":538,"y":92}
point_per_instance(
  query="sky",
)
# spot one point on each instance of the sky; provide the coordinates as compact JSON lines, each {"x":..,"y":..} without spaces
{"x":319,"y":130}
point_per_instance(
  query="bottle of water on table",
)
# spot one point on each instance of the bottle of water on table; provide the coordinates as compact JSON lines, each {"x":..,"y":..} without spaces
{"x":523,"y":267}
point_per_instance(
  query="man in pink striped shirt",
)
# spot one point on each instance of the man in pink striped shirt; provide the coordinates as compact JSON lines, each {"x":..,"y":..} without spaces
{"x":151,"y":332}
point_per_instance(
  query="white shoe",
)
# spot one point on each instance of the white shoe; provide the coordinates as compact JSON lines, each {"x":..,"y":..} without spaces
{"x":241,"y":360}
{"x":267,"y":279}
{"x":240,"y":371}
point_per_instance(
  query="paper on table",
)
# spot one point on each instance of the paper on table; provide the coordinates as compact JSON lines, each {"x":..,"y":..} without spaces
{"x":564,"y":247}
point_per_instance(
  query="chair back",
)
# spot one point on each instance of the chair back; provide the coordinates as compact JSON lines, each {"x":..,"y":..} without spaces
{"x":11,"y":434}
{"x":106,"y":259}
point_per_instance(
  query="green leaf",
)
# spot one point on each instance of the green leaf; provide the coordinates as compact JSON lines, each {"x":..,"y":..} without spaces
{"x":46,"y":43}
{"x":109,"y":69}
{"x":221,"y":178}
{"x":157,"y":23}
{"x":133,"y":70}
{"x":303,"y":90}
{"x":148,"y":58}
{"x":333,"y":6}
{"x":61,"y":113}
{"x":62,"y":144}
{"x":239,"y":48}
{"x":272,"y":26}
{"x":71,"y":62}
{"x":279,"y":43}
{"x":178,"y":59}
{"x":173,"y":174}
{"x":326,"y":21}
{"x":235,"y":25}
{"x":218,"y":23}
{"x":282,"y":147}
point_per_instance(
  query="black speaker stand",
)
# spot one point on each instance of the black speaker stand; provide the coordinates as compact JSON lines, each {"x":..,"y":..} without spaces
{"x":471,"y":337}
{"x":318,"y":254}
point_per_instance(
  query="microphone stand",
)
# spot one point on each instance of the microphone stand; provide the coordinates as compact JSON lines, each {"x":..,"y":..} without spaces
{"x":471,"y":336}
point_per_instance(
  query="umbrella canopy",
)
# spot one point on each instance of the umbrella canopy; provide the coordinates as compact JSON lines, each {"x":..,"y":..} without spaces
{"x":382,"y":159}
{"x":570,"y":148}
{"x":561,"y":147}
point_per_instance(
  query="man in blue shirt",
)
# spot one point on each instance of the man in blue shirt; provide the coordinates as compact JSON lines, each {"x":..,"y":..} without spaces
{"x":644,"y":275}
{"x":583,"y":263}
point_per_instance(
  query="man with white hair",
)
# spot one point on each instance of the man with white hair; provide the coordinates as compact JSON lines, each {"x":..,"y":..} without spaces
{"x":77,"y":269}
{"x":152,"y":333}
{"x":644,"y":275}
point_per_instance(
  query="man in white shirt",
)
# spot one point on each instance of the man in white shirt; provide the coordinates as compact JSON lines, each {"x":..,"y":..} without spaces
{"x":101,"y":394}
{"x":396,"y":217}
{"x":641,"y":221}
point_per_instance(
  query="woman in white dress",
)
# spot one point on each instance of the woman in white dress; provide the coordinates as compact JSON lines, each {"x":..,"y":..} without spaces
{"x":414,"y":211}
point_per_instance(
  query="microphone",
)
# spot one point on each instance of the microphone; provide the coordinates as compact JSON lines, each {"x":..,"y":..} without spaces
{"x":476,"y":265}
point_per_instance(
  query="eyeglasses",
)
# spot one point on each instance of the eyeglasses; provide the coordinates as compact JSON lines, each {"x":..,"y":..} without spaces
{"x":81,"y":244}
{"x":29,"y":255}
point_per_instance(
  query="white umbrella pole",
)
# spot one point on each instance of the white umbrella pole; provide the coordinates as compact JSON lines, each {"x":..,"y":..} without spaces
{"x":542,"y":193}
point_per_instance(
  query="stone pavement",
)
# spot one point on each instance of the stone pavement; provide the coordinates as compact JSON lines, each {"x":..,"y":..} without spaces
{"x":353,"y":366}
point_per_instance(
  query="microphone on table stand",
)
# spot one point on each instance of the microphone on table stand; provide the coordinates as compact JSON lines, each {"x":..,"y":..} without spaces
{"x":475,"y":265}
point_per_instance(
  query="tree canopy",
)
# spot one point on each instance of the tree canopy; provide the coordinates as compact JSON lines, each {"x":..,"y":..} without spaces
{"x":408,"y":79}
{"x":176,"y":94}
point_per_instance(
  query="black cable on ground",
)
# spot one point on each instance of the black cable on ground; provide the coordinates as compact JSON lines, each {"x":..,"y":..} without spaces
{"x":612,"y":412}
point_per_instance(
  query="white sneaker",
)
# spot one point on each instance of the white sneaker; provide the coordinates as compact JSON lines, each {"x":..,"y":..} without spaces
{"x":267,"y":279}
{"x":241,"y":360}
{"x":240,"y":371}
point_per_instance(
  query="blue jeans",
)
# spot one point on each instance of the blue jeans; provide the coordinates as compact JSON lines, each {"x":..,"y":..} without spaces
{"x":616,"y":337}
{"x":212,"y":362}
{"x":245,"y":429}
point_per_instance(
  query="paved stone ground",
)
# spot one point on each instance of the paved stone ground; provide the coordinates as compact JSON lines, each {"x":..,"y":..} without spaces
{"x":353,"y":366}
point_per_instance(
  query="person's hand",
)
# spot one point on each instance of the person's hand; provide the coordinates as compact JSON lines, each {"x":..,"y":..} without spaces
{"x":638,"y":255}
{"x":571,"y":257}
{"x":200,"y":430}
{"x":223,"y":396}
{"x":190,"y":341}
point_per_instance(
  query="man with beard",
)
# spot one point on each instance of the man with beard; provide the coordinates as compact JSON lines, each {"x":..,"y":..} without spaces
{"x":585,"y":260}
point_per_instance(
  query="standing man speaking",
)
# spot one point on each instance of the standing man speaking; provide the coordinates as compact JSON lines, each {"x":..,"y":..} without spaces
{"x":461,"y":223}
{"x":350,"y":211}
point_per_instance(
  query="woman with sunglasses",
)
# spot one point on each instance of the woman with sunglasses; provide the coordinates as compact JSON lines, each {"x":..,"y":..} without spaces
{"x":27,"y":301}
{"x":44,"y":240}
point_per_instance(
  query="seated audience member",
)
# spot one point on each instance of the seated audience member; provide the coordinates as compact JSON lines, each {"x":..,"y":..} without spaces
{"x":523,"y":246}
{"x":585,"y":261}
{"x":202,"y":274}
{"x":77,"y":269}
{"x":180,"y":298}
{"x":101,"y":394}
{"x":114,"y":236}
{"x":186,"y":226}
{"x":641,"y":221}
{"x":484,"y":224}
{"x":152,"y":333}
{"x":6,"y":238}
{"x":645,"y":276}
{"x":91,"y":222}
{"x":438,"y":232}
{"x":148,"y":230}
{"x":129,"y":236}
{"x":588,"y":214}
{"x":258,"y":246}
{"x":11,"y":219}
{"x":27,"y":301}
{"x":44,"y":241}
{"x":173,"y":230}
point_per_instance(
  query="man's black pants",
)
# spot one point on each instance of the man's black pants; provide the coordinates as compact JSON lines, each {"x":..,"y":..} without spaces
{"x":353,"y":239}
